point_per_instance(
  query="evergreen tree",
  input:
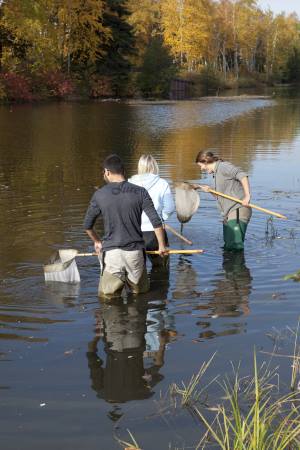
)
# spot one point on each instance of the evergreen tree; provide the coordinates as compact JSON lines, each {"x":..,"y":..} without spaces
{"x":157,"y":70}
{"x":119,"y":48}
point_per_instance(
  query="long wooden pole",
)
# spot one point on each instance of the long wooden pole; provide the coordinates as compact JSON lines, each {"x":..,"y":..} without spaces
{"x":156,"y":252}
{"x":251,"y":205}
{"x":176,"y":252}
{"x":180,"y":236}
{"x":237,"y":200}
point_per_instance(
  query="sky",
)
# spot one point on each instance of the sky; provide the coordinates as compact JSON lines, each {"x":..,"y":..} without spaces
{"x":278,"y":6}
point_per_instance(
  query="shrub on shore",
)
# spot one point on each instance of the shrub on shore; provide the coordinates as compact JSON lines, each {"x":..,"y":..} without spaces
{"x":15,"y":87}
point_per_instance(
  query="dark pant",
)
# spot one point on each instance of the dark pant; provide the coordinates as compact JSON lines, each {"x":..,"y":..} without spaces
{"x":151,"y":243}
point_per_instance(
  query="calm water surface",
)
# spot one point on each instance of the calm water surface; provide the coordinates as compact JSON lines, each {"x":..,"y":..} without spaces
{"x":75,"y":372}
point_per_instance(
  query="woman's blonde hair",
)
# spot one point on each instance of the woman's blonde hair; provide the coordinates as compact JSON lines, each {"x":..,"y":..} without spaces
{"x":147,"y":164}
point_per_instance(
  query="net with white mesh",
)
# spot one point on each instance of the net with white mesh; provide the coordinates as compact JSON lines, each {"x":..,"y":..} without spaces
{"x":62,"y":267}
{"x":187,"y":201}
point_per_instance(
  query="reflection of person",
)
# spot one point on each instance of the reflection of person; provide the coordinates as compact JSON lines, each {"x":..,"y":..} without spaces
{"x":160,"y":192}
{"x":232,"y":181}
{"x":121,"y":205}
{"x":121,"y":376}
{"x":160,"y":330}
{"x":229,"y":298}
{"x":160,"y":323}
{"x":231,"y":294}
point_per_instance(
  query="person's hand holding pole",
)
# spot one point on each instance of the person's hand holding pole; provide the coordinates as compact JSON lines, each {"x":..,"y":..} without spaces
{"x":160,"y":235}
{"x":95,"y":238}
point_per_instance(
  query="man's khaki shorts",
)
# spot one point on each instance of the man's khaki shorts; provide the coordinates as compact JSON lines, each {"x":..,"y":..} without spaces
{"x":123,"y":267}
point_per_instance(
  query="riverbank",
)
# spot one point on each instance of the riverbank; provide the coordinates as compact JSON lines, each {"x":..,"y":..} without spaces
{"x":57,"y":86}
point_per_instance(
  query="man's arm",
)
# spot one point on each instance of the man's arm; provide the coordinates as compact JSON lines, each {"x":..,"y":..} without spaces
{"x":92,"y":213}
{"x":95,"y":238}
{"x":160,"y":235}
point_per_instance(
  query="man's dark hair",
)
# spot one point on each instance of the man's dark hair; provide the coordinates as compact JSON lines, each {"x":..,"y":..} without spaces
{"x":114,"y":164}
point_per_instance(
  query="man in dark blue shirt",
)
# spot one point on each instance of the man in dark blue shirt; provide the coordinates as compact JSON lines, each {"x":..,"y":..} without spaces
{"x":121,"y":204}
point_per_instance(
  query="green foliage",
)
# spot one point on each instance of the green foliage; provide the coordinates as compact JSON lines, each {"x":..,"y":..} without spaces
{"x":115,"y":63}
{"x":292,"y":73}
{"x":210,"y":80}
{"x":157,"y":70}
{"x":223,"y":43}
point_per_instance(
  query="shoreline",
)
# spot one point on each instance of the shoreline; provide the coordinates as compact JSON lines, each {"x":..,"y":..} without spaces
{"x":139,"y":101}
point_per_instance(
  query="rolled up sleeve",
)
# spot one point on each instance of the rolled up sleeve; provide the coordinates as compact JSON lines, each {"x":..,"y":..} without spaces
{"x":91,"y":215}
{"x":234,"y":172}
{"x":240,"y":175}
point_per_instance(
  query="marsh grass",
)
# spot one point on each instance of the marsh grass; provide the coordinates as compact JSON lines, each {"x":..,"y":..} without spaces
{"x":264,"y":423}
{"x":133,"y":445}
{"x":296,"y":361}
{"x":235,"y":412}
{"x":250,"y":415}
{"x":191,"y":392}
{"x":295,"y":357}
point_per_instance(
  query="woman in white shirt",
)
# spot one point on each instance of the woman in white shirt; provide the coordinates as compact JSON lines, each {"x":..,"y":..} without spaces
{"x":160,"y":192}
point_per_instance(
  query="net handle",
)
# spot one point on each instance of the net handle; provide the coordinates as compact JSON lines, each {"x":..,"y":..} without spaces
{"x":156,"y":252}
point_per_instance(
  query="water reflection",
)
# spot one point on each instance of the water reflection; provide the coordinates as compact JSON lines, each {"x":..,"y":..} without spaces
{"x":133,"y":336}
{"x":50,"y":158}
{"x":229,"y":297}
{"x":231,"y":292}
{"x":186,"y":280}
{"x":62,"y":294}
{"x":160,"y":323}
{"x":118,"y":376}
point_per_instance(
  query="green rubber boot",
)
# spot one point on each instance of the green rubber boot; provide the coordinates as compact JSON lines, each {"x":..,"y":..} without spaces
{"x":234,"y":234}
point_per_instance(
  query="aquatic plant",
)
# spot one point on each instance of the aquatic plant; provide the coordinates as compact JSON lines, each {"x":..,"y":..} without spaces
{"x":190,"y":394}
{"x":270,"y":232}
{"x":133,"y":445}
{"x":295,"y":357}
{"x":296,"y":361}
{"x":263,"y":422}
{"x":293,"y":276}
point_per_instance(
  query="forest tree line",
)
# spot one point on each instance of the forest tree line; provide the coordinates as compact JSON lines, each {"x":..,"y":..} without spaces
{"x":115,"y":48}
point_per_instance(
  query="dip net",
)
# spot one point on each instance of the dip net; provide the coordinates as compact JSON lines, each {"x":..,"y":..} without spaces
{"x":187,"y":201}
{"x":62,"y":267}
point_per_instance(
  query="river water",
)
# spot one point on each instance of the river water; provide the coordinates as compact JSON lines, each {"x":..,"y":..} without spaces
{"x":75,"y":373}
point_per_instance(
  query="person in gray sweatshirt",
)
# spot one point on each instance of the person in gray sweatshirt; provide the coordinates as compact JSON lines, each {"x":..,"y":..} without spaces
{"x":160,"y":193}
{"x":233,"y":181}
